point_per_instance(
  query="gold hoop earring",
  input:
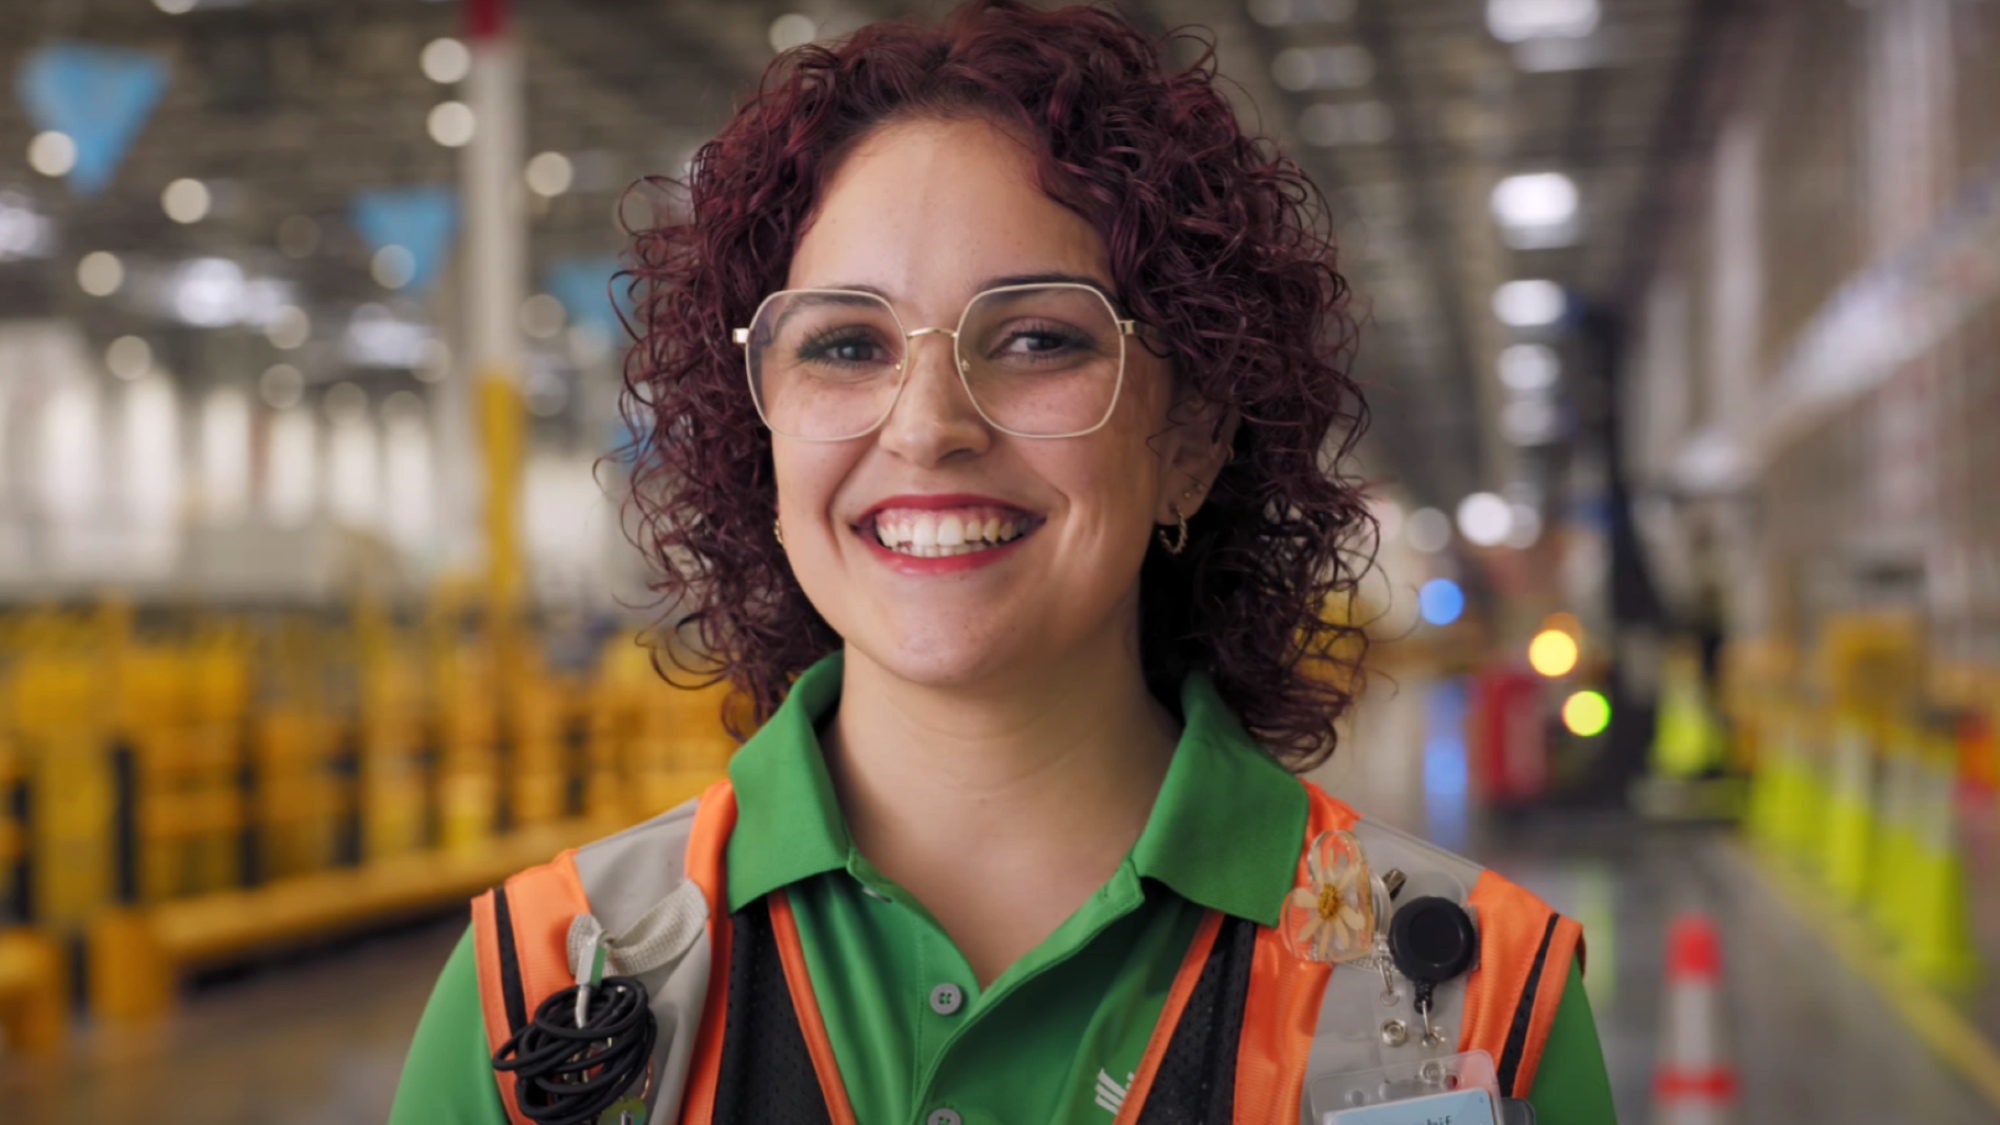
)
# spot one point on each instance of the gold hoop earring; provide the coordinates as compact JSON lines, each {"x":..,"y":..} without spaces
{"x":1178,"y":543}
{"x":778,"y":529}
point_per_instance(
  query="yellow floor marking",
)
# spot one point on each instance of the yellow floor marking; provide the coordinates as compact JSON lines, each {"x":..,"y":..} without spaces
{"x":1934,"y":1021}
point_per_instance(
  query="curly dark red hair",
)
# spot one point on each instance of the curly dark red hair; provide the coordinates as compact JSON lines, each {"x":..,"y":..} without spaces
{"x":1216,"y":241}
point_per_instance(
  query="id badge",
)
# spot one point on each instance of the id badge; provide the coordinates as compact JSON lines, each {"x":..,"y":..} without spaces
{"x":1446,"y":1090}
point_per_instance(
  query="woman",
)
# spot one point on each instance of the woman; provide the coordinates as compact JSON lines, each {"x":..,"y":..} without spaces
{"x":1016,"y":541}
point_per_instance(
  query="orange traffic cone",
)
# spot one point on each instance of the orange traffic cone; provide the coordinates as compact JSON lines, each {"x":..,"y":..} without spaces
{"x":1695,"y":1083}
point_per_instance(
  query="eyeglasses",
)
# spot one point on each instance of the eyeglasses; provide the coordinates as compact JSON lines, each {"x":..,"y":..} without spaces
{"x":1038,"y":361}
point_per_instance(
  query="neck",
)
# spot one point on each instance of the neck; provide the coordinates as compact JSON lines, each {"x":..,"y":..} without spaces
{"x":1039,"y":781}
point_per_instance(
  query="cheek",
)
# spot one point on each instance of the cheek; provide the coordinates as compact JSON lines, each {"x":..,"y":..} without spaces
{"x":807,"y":477}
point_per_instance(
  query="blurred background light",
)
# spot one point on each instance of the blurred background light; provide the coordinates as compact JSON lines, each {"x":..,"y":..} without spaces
{"x":392,"y":267}
{"x":100,"y":273}
{"x":175,"y":7}
{"x":1527,"y":526}
{"x":52,"y":153}
{"x":550,"y":174}
{"x":1333,"y":124}
{"x":151,"y":449}
{"x":1485,"y":519}
{"x":793,"y":29}
{"x":291,"y":471}
{"x":208,"y":292}
{"x":186,"y":201}
{"x":1586,"y":713}
{"x":225,"y":455}
{"x":376,"y":337}
{"x":69,"y":456}
{"x":1529,"y":367}
{"x":1536,"y":211}
{"x":24,"y":231}
{"x":345,"y":402}
{"x":451,"y":124}
{"x":1529,"y":421}
{"x":1287,"y":13}
{"x":445,"y":61}
{"x":1514,"y":21}
{"x":542,"y":316}
{"x":281,"y":386}
{"x":129,"y":358}
{"x":1528,"y":304}
{"x":290,"y":327}
{"x":1553,"y":653}
{"x":1428,"y":531}
{"x":1441,"y":601}
{"x":1344,"y":66}
{"x":1389,"y":518}
{"x":433,"y":362}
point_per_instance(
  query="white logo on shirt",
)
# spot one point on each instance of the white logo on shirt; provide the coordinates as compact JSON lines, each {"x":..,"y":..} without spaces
{"x":1110,"y":1094}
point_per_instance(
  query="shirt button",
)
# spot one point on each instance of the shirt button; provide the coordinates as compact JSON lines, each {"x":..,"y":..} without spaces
{"x":942,"y":1117}
{"x":945,"y":1000}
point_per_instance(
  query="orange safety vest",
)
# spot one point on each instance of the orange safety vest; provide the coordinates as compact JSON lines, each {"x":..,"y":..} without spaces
{"x":521,"y":930}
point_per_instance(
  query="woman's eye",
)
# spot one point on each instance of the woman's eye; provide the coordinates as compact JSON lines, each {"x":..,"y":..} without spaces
{"x":849,"y":349}
{"x":1040,"y":341}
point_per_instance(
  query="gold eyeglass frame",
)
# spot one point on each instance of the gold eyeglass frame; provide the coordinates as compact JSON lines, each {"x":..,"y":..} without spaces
{"x":741,"y":336}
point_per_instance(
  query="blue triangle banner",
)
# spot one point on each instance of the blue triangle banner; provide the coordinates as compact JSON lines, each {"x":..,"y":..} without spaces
{"x":421,"y":220}
{"x":100,"y":97}
{"x":587,"y":291}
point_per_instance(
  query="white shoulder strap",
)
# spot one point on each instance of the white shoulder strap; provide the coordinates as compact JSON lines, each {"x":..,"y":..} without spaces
{"x":639,"y":892}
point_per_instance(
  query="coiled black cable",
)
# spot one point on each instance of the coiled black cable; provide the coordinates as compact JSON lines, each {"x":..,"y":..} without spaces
{"x":569,"y":1075}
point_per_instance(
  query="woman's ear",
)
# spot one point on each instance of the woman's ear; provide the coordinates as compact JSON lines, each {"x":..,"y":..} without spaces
{"x":1200,"y":446}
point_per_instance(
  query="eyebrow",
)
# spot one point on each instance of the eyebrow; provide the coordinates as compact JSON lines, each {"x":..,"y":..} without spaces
{"x":1056,"y":277}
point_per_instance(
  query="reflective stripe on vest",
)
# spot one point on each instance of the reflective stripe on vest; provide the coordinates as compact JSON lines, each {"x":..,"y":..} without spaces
{"x":1269,"y":1018}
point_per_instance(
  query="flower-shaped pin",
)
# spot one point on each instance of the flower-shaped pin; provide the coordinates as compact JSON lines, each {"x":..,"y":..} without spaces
{"x":1332,"y":918}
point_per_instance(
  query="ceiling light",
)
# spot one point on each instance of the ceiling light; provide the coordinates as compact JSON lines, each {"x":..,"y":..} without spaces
{"x":129,"y":358}
{"x":186,"y":201}
{"x":1513,"y":21}
{"x":1485,"y":519}
{"x":100,"y":273}
{"x":550,"y":174}
{"x":452,"y":124}
{"x":52,"y":153}
{"x":1539,"y":199}
{"x":792,"y":30}
{"x":445,"y":61}
{"x":1529,"y":304}
{"x":1527,"y":368}
{"x":175,"y":7}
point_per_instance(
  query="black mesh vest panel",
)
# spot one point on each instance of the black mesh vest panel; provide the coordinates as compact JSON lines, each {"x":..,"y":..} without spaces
{"x":765,"y":1074}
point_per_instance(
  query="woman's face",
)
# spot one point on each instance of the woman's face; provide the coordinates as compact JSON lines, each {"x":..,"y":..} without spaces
{"x":929,"y":214}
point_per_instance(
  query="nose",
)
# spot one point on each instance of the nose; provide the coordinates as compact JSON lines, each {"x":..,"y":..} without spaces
{"x":933,"y":420}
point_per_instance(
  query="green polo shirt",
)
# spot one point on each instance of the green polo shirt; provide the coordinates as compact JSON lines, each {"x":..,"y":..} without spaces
{"x":1057,"y":1037}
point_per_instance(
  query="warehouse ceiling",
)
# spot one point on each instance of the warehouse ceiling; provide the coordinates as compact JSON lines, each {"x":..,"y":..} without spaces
{"x":1408,"y":112}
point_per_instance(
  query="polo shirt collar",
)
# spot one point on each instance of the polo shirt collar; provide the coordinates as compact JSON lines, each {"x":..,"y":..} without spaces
{"x":1225,"y":831}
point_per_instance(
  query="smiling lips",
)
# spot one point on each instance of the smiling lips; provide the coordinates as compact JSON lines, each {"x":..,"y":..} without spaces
{"x":932,"y":533}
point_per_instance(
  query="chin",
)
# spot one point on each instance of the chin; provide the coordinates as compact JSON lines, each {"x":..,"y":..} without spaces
{"x":940,"y":658}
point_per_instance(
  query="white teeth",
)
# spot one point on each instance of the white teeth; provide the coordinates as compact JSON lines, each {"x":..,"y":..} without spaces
{"x":934,"y":535}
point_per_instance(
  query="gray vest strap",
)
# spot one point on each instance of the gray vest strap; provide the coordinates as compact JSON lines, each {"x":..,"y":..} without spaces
{"x":625,"y":877}
{"x":1355,"y":1030}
